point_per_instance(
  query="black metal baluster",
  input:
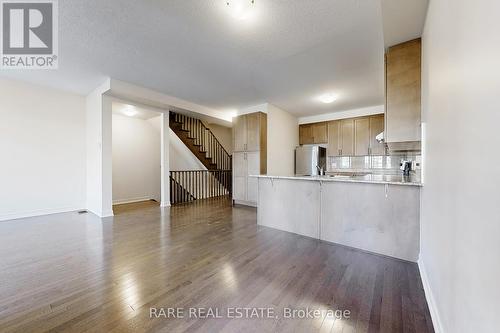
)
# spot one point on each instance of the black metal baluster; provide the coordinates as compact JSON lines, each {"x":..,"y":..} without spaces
{"x":176,"y":189}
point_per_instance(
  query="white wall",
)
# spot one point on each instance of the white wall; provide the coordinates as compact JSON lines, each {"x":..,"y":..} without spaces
{"x":42,"y":145}
{"x":224,"y":135}
{"x":282,"y":138}
{"x":98,"y":134}
{"x":460,"y":214}
{"x":252,"y":109}
{"x":136,"y":159}
{"x":181,"y":158}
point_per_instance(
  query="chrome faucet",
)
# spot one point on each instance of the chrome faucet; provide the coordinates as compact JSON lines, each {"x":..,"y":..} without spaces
{"x":321,"y":171}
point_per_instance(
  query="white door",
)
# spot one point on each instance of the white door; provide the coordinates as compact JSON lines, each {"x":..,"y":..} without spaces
{"x":253,"y":167}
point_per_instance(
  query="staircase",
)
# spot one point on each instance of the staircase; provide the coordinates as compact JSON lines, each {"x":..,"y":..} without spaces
{"x":209,"y":151}
{"x":201,"y":141}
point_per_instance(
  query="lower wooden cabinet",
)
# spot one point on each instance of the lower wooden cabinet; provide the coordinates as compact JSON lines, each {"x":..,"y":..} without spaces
{"x":245,"y":188}
{"x":249,"y":156}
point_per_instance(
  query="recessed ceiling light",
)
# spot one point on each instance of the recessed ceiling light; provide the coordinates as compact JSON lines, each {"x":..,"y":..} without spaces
{"x":130,"y":111}
{"x":327,"y":98}
{"x":240,"y":9}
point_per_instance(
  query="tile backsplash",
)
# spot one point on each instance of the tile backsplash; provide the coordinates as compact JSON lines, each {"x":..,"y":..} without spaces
{"x":382,"y":163}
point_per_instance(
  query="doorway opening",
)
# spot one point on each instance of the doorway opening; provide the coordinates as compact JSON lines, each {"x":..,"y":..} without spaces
{"x":136,"y":156}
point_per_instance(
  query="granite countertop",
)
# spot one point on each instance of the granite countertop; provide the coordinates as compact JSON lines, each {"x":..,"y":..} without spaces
{"x":368,"y":178}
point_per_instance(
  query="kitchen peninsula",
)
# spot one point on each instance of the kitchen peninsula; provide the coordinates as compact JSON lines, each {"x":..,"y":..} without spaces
{"x":376,"y":213}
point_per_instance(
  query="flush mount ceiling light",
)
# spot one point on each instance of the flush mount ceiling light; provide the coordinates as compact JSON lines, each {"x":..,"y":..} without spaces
{"x":130,"y":111}
{"x":327,"y":98}
{"x":240,"y":9}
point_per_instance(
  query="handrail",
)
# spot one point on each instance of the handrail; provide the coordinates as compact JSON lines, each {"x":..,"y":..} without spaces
{"x":205,"y":138}
{"x":217,"y":140}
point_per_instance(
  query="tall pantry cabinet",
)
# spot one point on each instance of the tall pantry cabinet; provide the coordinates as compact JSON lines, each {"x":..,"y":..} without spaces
{"x":249,"y":156}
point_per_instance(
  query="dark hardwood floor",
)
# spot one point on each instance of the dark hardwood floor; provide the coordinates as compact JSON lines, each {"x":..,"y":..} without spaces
{"x":77,"y":273}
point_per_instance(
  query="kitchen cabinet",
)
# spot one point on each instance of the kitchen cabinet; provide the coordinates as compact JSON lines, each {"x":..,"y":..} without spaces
{"x":320,"y":132}
{"x":334,"y":138}
{"x":245,"y":188}
{"x":347,"y":137}
{"x":403,"y":93}
{"x":376,"y":127}
{"x":313,"y":133}
{"x":253,"y":168}
{"x":239,"y":133}
{"x":306,"y":134}
{"x":249,"y":156}
{"x":248,"y":132}
{"x":362,"y":136}
{"x":355,"y":136}
{"x":253,"y":131}
{"x":347,"y":213}
{"x":240,"y":176}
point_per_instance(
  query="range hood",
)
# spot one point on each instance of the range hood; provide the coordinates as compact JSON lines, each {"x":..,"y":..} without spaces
{"x":404,"y":146}
{"x":399,"y":146}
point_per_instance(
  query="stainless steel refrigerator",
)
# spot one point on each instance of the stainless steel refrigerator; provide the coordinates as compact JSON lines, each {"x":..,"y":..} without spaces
{"x":308,"y":159}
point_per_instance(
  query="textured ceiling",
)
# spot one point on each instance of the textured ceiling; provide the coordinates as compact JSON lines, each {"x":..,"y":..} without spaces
{"x":290,"y":52}
{"x":403,"y":20}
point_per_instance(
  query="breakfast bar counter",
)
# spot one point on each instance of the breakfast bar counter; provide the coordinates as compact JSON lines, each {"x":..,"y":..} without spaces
{"x":377,"y":214}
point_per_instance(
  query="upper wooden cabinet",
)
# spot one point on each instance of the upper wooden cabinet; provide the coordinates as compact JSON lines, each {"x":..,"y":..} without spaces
{"x":347,"y":137}
{"x":313,"y":133}
{"x":320,"y":132}
{"x":249,"y":156}
{"x":334,"y":145}
{"x":403,"y":101}
{"x":306,"y":134}
{"x":376,"y":127}
{"x":250,"y":132}
{"x":253,"y":131}
{"x":239,"y":133}
{"x":355,"y":136}
{"x":362,"y":136}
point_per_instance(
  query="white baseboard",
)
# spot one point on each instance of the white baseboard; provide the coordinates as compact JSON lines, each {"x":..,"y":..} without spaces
{"x":431,"y":302}
{"x":245,"y":203}
{"x":130,"y":200}
{"x":108,"y":213}
{"x":39,"y":212}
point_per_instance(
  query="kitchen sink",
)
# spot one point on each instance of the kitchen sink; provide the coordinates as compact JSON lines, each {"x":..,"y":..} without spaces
{"x":347,"y":174}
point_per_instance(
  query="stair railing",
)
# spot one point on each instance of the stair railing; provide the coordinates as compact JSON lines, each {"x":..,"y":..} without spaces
{"x":204,"y":138}
{"x":189,"y":185}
